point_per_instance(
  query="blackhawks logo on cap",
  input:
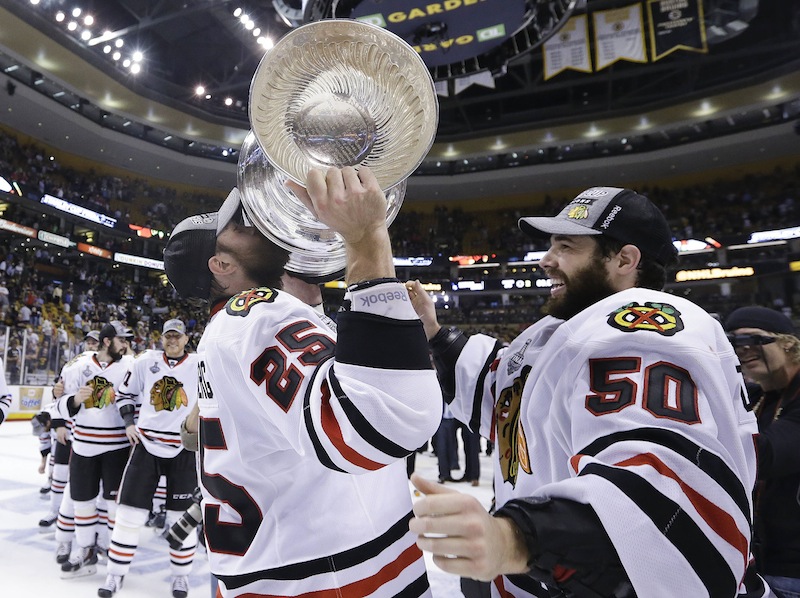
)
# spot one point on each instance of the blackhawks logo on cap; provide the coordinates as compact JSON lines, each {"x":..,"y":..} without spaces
{"x":662,"y":318}
{"x":580,"y":212}
{"x":168,"y":395}
{"x":241,"y":304}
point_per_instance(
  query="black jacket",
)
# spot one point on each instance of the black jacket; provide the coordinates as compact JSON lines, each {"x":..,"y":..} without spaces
{"x":776,"y":544}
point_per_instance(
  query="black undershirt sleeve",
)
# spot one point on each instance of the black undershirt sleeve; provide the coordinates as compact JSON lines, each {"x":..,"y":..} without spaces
{"x":446,"y":346}
{"x":568,"y":547}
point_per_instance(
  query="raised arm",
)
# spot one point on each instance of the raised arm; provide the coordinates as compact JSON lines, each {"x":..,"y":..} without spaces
{"x":351,"y":203}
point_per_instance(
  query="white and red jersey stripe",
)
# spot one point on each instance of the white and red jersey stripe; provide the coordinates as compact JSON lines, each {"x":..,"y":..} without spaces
{"x":302,"y":440}
{"x":635,"y":406}
{"x":163,"y":391}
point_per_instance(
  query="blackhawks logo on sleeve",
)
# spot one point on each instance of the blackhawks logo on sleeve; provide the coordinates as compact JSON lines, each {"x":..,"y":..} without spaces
{"x":103,"y":393}
{"x":168,"y":395}
{"x":241,"y":304}
{"x":512,"y":448}
{"x":662,"y":318}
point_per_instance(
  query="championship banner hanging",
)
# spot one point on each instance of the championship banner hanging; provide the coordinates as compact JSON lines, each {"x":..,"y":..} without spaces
{"x":676,"y":25}
{"x":568,"y":49}
{"x":618,"y":35}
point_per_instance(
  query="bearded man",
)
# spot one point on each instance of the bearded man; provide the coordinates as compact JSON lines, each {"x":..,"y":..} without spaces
{"x":625,"y":452}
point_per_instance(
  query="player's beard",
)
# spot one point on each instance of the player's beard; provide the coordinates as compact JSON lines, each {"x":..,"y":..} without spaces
{"x":114,"y":354}
{"x":581,"y":290}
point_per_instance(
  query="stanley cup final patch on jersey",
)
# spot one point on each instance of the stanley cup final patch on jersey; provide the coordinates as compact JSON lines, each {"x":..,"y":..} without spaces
{"x":662,"y":318}
{"x":241,"y":304}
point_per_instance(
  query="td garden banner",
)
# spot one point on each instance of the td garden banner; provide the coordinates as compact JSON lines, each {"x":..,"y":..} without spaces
{"x":619,"y":34}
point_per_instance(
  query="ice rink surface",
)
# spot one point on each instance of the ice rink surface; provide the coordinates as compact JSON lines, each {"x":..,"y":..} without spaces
{"x":27,"y":557}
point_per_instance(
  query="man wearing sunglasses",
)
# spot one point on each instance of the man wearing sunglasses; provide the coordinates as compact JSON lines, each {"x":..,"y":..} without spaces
{"x":769,"y":351}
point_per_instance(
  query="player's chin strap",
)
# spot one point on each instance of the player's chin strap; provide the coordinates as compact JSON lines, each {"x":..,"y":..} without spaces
{"x":569,"y":548}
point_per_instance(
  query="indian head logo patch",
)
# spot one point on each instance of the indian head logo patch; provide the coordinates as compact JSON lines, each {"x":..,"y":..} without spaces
{"x":662,"y":318}
{"x":103,"y":393}
{"x":512,"y":447}
{"x":241,"y":304}
{"x":168,"y":395}
{"x":580,"y":212}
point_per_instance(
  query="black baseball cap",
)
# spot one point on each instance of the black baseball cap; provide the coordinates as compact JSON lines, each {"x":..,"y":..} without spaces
{"x":762,"y":318}
{"x":112,"y":329}
{"x":621,"y":214}
{"x":192,"y":243}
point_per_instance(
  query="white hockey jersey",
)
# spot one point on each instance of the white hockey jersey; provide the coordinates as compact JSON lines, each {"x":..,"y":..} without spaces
{"x":636,"y":406}
{"x":97,"y":427}
{"x":163,"y":391}
{"x":304,"y":486}
{"x":58,"y":408}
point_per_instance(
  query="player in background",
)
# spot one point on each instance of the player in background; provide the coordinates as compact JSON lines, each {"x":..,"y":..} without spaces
{"x":626,"y":454}
{"x":5,"y":395}
{"x":100,"y":441}
{"x":61,"y":425}
{"x":162,"y":386}
{"x":41,"y":429}
{"x":291,"y":415}
{"x":61,"y":446}
{"x":91,"y":342}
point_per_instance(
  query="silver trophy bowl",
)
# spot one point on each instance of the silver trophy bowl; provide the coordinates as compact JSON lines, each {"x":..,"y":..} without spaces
{"x":315,"y":250}
{"x":340,"y":92}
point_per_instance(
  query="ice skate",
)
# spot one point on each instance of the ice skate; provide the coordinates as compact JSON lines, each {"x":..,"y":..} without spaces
{"x":180,"y":586}
{"x":112,"y":585}
{"x":85,"y":563}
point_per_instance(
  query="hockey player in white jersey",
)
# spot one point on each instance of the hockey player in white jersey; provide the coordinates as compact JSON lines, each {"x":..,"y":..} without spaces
{"x":303,"y":434}
{"x":162,"y":387}
{"x":61,"y":425}
{"x":625,"y":450}
{"x":41,"y":423}
{"x":100,"y":442}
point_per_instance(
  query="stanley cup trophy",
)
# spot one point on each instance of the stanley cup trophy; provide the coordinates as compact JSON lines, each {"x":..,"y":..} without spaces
{"x":332,"y":93}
